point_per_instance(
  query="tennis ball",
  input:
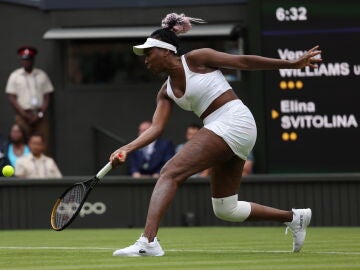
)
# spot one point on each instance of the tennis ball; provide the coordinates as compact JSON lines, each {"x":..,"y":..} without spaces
{"x":8,"y":170}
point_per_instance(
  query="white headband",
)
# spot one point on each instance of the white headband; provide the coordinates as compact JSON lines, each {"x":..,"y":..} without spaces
{"x":152,"y":42}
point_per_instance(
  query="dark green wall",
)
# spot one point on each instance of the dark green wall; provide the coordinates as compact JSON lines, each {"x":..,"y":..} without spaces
{"x":118,"y":109}
{"x":333,"y":198}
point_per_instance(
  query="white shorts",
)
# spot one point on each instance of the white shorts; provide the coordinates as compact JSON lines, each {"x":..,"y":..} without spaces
{"x":236,"y":125}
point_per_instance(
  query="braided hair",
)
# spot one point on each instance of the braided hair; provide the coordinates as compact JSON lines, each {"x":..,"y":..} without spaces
{"x":172,"y":25}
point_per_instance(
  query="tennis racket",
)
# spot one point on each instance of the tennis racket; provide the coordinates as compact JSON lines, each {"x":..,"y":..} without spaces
{"x":69,"y":204}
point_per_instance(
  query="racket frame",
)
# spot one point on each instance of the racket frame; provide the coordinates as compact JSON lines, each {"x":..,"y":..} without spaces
{"x":89,"y":185}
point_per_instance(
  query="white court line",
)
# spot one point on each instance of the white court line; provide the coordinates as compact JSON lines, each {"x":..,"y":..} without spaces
{"x":58,"y":248}
{"x":265,"y":251}
{"x":189,"y":250}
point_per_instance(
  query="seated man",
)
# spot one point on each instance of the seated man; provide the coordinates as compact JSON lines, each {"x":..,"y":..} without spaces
{"x":249,"y":164}
{"x":36,"y":164}
{"x":191,"y":130}
{"x":149,"y":160}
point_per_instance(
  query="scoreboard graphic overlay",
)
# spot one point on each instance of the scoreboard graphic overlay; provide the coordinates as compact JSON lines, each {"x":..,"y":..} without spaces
{"x":312,"y":115}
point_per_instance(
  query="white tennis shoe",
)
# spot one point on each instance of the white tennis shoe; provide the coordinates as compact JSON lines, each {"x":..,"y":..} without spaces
{"x":142,"y":247}
{"x":301,"y":219}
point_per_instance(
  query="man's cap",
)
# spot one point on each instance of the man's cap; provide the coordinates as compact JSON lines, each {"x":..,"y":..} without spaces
{"x":27,"y":52}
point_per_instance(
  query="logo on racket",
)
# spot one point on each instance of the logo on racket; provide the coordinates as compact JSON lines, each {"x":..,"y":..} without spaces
{"x":67,"y":208}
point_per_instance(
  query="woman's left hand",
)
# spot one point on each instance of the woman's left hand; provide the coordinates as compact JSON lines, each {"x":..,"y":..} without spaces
{"x":308,"y":59}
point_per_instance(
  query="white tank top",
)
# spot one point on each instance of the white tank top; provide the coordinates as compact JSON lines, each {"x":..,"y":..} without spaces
{"x":201,"y":89}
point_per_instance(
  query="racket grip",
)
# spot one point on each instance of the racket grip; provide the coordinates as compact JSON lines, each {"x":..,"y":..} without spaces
{"x":104,"y":171}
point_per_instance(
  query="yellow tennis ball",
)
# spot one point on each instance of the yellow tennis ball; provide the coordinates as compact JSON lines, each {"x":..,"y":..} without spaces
{"x":8,"y":171}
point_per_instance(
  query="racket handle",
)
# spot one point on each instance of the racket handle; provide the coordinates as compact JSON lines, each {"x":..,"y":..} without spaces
{"x":107,"y":168}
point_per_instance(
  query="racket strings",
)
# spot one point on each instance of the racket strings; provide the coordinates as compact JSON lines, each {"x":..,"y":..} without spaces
{"x":69,"y":205}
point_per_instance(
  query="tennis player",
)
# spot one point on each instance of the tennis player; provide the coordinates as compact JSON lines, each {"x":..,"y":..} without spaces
{"x":196,"y":84}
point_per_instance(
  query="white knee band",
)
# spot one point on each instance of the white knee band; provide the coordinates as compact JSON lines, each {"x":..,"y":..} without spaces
{"x":230,"y":209}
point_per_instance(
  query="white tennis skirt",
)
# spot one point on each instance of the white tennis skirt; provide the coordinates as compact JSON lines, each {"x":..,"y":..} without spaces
{"x":236,"y":125}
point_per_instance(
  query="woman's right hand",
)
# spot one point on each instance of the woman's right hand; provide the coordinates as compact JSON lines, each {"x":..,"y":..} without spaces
{"x":118,"y":157}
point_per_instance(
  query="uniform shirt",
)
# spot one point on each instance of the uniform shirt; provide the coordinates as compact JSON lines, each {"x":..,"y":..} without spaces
{"x":29,"y":88}
{"x":32,"y":167}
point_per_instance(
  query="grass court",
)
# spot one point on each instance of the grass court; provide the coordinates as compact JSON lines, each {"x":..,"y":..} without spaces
{"x":186,"y":248}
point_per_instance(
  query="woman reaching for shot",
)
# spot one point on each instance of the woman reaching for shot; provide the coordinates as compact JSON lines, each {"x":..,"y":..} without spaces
{"x":196,"y":84}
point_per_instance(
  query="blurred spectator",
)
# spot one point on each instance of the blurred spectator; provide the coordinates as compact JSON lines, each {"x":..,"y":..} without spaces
{"x":28,"y":89}
{"x":191,"y":130}
{"x":17,"y":145}
{"x":149,"y":160}
{"x":36,"y":164}
{"x":249,"y":165}
{"x":3,"y":157}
